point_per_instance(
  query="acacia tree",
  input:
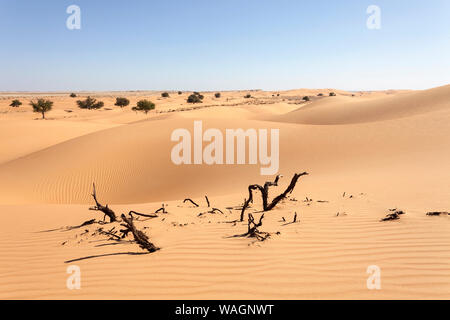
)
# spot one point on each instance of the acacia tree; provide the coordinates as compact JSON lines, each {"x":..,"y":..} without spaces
{"x":15,"y":103}
{"x":122,"y":102}
{"x":42,"y":106}
{"x":144,"y":106}
{"x":90,"y":103}
{"x":196,"y":97}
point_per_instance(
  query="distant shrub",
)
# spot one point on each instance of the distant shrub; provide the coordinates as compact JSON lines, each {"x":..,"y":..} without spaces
{"x":247,"y":96}
{"x":165,"y":94}
{"x":195,"y":98}
{"x":306,"y":98}
{"x":42,"y":106}
{"x":122,"y":102}
{"x":144,"y":106}
{"x":332,"y":94}
{"x":15,"y":103}
{"x":217,"y":95}
{"x":180,"y":92}
{"x":90,"y":103}
{"x":73,"y":95}
{"x":320,"y":95}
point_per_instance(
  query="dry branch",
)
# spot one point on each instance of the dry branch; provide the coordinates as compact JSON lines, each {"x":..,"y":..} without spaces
{"x":253,"y":231}
{"x":437,"y":213}
{"x":191,"y":201}
{"x":99,"y":207}
{"x":143,"y":215}
{"x":140,"y":237}
{"x":265,"y":193}
{"x":395,"y":215}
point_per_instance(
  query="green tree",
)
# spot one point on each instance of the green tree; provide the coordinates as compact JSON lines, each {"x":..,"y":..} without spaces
{"x":144,"y":106}
{"x":73,"y":95}
{"x":15,"y":103}
{"x":332,"y":94}
{"x":217,"y":95}
{"x":90,"y":103}
{"x":195,"y":98}
{"x":42,"y":106}
{"x":306,"y":98}
{"x":165,"y":94}
{"x":248,"y":96}
{"x":180,"y":92}
{"x":122,"y":102}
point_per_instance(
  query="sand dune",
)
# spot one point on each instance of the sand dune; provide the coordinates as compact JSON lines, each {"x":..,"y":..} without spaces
{"x":384,"y":149}
{"x":348,"y":109}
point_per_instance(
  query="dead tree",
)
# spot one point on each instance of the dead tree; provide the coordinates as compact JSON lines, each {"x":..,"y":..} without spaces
{"x":265,"y":193}
{"x":139,"y":237}
{"x":207,"y":201}
{"x":99,"y":207}
{"x":253,"y":231}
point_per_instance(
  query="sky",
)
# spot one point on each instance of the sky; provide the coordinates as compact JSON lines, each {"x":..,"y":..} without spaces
{"x":207,"y":45}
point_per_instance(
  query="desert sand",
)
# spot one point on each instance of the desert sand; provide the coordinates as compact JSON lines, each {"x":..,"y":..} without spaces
{"x":365,"y":152}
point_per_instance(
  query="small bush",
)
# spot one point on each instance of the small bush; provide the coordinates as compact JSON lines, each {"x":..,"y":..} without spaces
{"x":122,"y":102}
{"x":165,"y":94}
{"x":180,"y":93}
{"x":247,"y":96}
{"x":144,"y":106}
{"x":306,"y":98}
{"x":73,"y":95}
{"x":42,"y":106}
{"x":195,"y":98}
{"x":320,"y":95}
{"x":217,"y":95}
{"x":278,"y":95}
{"x":15,"y":103}
{"x":90,"y":103}
{"x":332,"y":94}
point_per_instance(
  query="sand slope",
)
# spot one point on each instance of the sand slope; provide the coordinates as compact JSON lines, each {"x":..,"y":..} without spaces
{"x":348,"y":109}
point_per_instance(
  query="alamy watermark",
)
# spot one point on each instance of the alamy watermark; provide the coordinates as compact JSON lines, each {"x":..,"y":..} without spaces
{"x":74,"y":280}
{"x":220,"y":150}
{"x":73,"y":22}
{"x":374,"y":20}
{"x":374,"y":279}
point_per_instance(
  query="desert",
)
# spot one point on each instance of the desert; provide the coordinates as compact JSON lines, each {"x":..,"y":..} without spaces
{"x":367,"y":155}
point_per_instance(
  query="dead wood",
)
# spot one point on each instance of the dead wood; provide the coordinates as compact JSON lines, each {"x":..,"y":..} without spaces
{"x":265,"y":193}
{"x":139,"y":237}
{"x":395,"y":215}
{"x":143,"y":215}
{"x":99,"y":207}
{"x":212,"y":211}
{"x":294,"y":220}
{"x":437,"y":213}
{"x":253,"y":231}
{"x":162,"y":209}
{"x":191,"y":201}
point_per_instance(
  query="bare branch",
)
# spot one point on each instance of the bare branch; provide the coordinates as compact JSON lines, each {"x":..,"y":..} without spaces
{"x":99,"y":207}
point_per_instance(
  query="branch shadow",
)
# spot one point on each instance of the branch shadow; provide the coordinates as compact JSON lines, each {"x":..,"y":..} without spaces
{"x":106,"y":255}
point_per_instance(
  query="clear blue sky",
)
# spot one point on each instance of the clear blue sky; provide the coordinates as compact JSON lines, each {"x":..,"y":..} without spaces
{"x":223,"y":45}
